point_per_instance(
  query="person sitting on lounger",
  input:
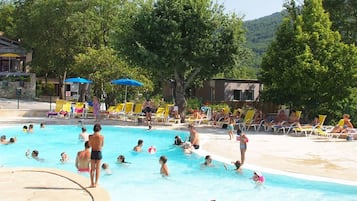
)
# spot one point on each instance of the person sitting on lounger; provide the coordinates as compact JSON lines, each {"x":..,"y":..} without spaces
{"x":343,"y":125}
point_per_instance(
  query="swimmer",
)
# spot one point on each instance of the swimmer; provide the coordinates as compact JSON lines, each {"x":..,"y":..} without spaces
{"x":34,"y":155}
{"x":83,"y":159}
{"x":11,"y":141}
{"x":30,"y":130}
{"x":187,"y":148}
{"x":178,"y":140}
{"x":208,"y":162}
{"x":258,"y":178}
{"x":64,"y":157}
{"x":164,"y":170}
{"x":24,"y":129}
{"x":83,"y":136}
{"x":42,"y":125}
{"x":105,"y":167}
{"x":138,"y":148}
{"x":194,"y":137}
{"x":237,"y":164}
{"x":3,"y":139}
{"x":121,"y":159}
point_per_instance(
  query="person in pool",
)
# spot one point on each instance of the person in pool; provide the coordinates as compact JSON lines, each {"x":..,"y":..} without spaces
{"x":83,"y":159}
{"x":164,"y":170}
{"x":96,"y":142}
{"x":208,"y":162}
{"x":34,"y":154}
{"x":30,"y":130}
{"x":105,"y":167}
{"x":238,"y":165}
{"x":138,"y":147}
{"x":64,"y":157}
{"x":24,"y":129}
{"x":121,"y":159}
{"x":178,"y":140}
{"x":194,"y":137}
{"x":83,"y":136}
{"x":258,"y":178}
{"x":3,"y":139}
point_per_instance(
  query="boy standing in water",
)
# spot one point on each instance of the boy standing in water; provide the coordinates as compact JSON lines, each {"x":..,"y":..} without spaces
{"x":96,"y":142}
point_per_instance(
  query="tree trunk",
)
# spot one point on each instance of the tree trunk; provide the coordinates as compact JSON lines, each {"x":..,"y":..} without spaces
{"x":62,"y":85}
{"x":180,"y":96}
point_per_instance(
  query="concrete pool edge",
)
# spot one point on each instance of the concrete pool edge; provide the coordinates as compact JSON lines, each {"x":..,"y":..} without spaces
{"x":204,"y":150}
{"x":96,"y":194}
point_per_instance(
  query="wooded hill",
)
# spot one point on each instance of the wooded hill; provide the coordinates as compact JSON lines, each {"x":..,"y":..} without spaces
{"x":260,"y":33}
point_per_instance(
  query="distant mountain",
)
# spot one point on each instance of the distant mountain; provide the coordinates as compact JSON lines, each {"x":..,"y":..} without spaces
{"x":260,"y":33}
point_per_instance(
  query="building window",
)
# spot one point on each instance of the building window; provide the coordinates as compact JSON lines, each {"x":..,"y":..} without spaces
{"x":237,"y":94}
{"x":249,"y":94}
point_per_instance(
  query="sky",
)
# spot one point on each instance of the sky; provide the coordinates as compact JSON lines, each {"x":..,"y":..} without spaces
{"x":252,"y":9}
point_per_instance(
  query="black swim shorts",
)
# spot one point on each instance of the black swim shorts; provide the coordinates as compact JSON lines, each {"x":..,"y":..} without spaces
{"x":96,"y":155}
{"x":196,"y":146}
{"x":147,"y":110}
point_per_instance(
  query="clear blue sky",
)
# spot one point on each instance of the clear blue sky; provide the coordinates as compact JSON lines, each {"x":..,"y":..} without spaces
{"x":252,"y":9}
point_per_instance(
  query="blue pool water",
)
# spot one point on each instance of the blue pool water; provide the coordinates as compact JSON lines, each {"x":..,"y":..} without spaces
{"x":141,"y":180}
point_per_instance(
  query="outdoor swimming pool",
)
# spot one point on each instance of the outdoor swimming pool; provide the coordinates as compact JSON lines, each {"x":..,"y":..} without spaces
{"x":141,"y":180}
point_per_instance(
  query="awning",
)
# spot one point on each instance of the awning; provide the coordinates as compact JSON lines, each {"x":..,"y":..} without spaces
{"x":10,"y":55}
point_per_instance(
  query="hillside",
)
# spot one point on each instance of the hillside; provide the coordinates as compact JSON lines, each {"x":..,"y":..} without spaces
{"x":260,"y":33}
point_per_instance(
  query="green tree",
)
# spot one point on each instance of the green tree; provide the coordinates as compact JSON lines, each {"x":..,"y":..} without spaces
{"x":308,"y":66}
{"x":182,"y":40}
{"x":57,"y":30}
{"x":102,"y":66}
{"x":343,"y":15}
{"x":7,"y":21}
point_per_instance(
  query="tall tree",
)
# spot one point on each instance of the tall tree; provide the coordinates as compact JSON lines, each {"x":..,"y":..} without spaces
{"x":182,"y":40}
{"x":7,"y":19}
{"x":57,"y":30}
{"x":102,"y":65}
{"x":343,"y":15}
{"x":308,"y":66}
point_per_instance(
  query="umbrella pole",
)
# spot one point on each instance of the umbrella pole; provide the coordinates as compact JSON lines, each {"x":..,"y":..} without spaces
{"x":126,"y":92}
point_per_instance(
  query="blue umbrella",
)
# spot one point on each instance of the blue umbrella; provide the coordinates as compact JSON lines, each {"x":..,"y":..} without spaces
{"x":127,"y":82}
{"x":78,"y":80}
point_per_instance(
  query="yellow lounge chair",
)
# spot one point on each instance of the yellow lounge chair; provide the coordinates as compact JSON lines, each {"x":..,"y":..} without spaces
{"x":247,"y":121}
{"x":127,"y":110}
{"x":286,"y":128}
{"x":312,"y":129}
{"x":159,"y":115}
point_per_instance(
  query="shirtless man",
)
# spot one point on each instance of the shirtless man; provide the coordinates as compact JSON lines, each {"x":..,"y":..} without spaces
{"x":194,"y":137}
{"x":83,"y":159}
{"x":96,"y":141}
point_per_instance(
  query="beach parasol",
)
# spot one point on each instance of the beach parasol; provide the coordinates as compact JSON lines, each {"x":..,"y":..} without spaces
{"x":127,"y":82}
{"x":78,"y":80}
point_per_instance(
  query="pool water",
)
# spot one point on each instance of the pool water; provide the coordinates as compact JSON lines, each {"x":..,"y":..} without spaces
{"x":140,"y":180}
